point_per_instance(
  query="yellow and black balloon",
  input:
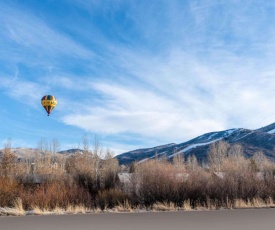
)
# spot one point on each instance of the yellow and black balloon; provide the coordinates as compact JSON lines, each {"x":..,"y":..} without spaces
{"x":48,"y":102}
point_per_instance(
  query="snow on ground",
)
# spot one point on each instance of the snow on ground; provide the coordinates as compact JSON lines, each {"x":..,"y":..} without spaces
{"x":271,"y":131}
{"x":230,"y":131}
{"x":194,"y":146}
{"x":227,"y":133}
{"x":210,"y":137}
{"x":243,"y":136}
{"x":159,"y":154}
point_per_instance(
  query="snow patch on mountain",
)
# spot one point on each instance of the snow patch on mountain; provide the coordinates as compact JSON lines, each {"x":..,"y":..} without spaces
{"x":148,"y":158}
{"x":243,"y":136}
{"x":230,"y":131}
{"x":271,"y":131}
{"x":210,"y":137}
{"x":193,"y":146}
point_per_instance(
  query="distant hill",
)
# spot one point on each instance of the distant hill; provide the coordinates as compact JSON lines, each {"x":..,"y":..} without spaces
{"x":32,"y":152}
{"x":262,"y":139}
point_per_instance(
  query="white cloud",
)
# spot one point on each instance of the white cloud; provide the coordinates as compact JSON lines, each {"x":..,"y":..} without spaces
{"x":22,"y":89}
{"x":142,"y":112}
{"x":30,"y":40}
{"x":176,"y":97}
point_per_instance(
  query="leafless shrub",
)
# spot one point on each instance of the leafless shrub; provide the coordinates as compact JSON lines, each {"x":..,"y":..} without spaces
{"x":9,"y":191}
{"x":157,"y":183}
{"x":108,"y":171}
{"x":110,"y":198}
{"x":59,"y":192}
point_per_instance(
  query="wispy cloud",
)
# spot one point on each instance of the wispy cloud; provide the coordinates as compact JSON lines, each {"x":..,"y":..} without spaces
{"x":157,"y":72}
{"x":167,"y":108}
{"x":27,"y":38}
{"x":198,"y":84}
{"x":178,"y":97}
{"x":19,"y":89}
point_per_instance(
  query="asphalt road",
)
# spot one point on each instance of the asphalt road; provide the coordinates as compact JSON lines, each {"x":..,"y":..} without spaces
{"x":263,"y":219}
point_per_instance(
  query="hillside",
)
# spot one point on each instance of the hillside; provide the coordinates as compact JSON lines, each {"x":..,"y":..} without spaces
{"x":32,"y":152}
{"x":252,"y":141}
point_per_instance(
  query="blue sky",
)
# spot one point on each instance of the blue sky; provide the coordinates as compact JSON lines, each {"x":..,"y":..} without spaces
{"x":135,"y":73}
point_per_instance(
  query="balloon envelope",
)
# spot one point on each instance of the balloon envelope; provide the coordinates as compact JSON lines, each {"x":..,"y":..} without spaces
{"x":48,"y":102}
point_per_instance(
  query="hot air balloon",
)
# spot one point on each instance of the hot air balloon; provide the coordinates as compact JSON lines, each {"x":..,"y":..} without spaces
{"x":48,"y":102}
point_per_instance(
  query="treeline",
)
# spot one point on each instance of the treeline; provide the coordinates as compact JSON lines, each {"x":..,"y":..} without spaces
{"x":90,"y":179}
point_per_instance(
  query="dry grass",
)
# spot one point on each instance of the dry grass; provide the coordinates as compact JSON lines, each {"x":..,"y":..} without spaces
{"x":18,"y":206}
{"x":254,"y":203}
{"x":164,"y":206}
{"x":70,"y":209}
{"x":240,"y":203}
{"x":187,"y":205}
{"x":6,"y":211}
{"x":40,"y":211}
{"x":17,"y":209}
{"x":77,"y":209}
{"x":270,"y":202}
{"x":210,"y":204}
{"x":123,"y":207}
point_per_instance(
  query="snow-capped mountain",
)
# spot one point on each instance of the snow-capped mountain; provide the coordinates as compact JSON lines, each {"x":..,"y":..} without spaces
{"x":252,"y":141}
{"x":262,"y":139}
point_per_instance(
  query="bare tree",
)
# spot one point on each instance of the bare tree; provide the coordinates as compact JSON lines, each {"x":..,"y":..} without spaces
{"x":43,"y":145}
{"x":85,"y":144}
{"x":236,"y":159}
{"x":55,"y":145}
{"x":236,"y":151}
{"x":8,"y":160}
{"x":261,"y":160}
{"x":97,"y":156}
{"x":43,"y":159}
{"x":217,"y":153}
{"x":192,"y":163}
{"x":236,"y":164}
{"x":178,"y":161}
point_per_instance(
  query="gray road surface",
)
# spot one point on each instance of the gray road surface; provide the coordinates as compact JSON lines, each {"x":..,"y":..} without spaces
{"x":260,"y":219}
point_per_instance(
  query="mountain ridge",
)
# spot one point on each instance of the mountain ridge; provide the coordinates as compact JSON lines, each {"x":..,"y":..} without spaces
{"x":252,"y":141}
